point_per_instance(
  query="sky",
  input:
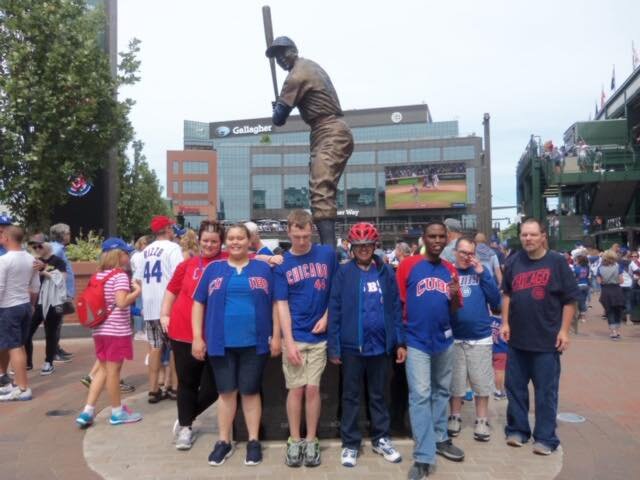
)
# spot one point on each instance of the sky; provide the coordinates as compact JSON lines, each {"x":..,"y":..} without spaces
{"x":535,"y":67}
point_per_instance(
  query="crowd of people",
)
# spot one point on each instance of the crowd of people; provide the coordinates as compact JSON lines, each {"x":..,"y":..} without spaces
{"x":458,"y":317}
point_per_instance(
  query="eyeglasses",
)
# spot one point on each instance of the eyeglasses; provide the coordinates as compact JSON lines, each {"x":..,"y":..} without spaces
{"x":36,"y":246}
{"x":465,"y":254}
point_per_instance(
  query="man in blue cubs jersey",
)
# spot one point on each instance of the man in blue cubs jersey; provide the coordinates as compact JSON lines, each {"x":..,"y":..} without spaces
{"x":301,"y":292}
{"x":430,"y":292}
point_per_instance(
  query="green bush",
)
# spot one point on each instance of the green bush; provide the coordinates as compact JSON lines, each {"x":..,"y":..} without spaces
{"x":85,"y":248}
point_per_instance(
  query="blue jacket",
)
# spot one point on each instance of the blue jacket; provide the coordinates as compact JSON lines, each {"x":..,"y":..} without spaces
{"x":345,"y":322}
{"x":472,"y":321}
{"x":211,"y":291}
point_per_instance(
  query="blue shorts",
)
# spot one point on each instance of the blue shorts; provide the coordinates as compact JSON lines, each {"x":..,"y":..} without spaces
{"x":240,"y":369}
{"x":14,"y":326}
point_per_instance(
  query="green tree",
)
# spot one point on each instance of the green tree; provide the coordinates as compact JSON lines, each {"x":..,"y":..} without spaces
{"x":140,"y":195}
{"x":59,"y":115}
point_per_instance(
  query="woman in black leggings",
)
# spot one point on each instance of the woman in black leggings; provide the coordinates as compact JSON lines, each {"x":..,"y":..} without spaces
{"x":196,"y":384}
{"x":49,"y":307}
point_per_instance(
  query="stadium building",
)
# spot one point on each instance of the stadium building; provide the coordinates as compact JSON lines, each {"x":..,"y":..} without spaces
{"x":405,"y":170}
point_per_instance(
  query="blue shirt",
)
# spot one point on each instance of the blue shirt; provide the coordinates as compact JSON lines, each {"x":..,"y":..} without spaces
{"x":239,"y":312}
{"x":582,"y":274}
{"x":2,"y":251}
{"x":212,"y":292}
{"x":305,"y":281}
{"x":499,"y":345}
{"x":372,"y":311}
{"x":472,"y":320}
{"x":58,"y":250}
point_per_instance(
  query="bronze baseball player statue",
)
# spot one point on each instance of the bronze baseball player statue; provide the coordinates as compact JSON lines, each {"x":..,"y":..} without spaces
{"x":309,"y":88}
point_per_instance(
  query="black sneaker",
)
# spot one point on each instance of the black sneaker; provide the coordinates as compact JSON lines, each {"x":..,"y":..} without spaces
{"x":5,"y":379}
{"x":125,"y":387}
{"x":64,"y":353}
{"x":254,"y":453}
{"x":449,"y":451}
{"x":418,"y":471}
{"x":221,"y":451}
{"x":59,"y":358}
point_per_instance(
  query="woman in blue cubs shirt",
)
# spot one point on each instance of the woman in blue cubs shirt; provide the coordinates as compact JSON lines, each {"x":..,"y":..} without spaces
{"x":365,"y":324}
{"x":234,"y":297}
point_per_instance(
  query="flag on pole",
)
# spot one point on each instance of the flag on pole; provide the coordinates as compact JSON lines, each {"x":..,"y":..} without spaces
{"x":613,"y":78}
{"x":602,"y":97}
{"x":635,"y":60}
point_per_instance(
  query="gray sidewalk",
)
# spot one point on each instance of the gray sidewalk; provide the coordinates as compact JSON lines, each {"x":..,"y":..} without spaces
{"x":144,"y":451}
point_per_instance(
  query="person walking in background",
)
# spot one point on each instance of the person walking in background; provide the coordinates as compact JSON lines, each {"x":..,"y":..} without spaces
{"x":237,"y":296}
{"x":5,"y":379}
{"x":59,"y":238}
{"x":19,"y":287}
{"x":626,"y":285}
{"x":430,"y":292}
{"x":634,"y":272}
{"x":582,"y":273}
{"x":611,"y":296}
{"x":196,"y":383}
{"x":500,"y":349}
{"x":472,"y":341}
{"x":53,"y":294}
{"x":160,"y":260}
{"x":302,"y":286}
{"x":113,"y":338}
{"x":365,"y":326}
{"x":257,"y":245}
{"x":454,"y":232}
{"x":538,"y":306}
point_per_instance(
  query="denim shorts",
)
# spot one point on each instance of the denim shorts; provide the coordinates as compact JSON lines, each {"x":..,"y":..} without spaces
{"x":239,"y":369}
{"x":14,"y":326}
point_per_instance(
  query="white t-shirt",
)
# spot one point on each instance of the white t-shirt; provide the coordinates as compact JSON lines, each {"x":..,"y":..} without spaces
{"x":159,"y":261}
{"x":17,"y":278}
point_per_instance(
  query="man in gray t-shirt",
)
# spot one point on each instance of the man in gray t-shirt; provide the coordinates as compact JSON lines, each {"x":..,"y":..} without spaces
{"x":19,"y":285}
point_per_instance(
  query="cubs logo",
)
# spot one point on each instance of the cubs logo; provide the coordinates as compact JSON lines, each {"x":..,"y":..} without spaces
{"x":466,"y":291}
{"x":259,"y":283}
{"x":538,"y":293}
{"x":215,"y":284}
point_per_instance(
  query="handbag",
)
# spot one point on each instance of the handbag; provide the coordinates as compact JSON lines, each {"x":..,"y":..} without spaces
{"x":68,"y":308}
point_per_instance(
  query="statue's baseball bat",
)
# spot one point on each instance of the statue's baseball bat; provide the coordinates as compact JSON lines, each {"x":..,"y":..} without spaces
{"x":268,"y":35}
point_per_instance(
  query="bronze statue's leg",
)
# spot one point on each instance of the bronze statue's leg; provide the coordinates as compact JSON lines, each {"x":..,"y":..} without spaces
{"x":331,"y":147}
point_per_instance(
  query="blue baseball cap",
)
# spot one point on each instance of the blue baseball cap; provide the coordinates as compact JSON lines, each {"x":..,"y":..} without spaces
{"x":179,"y":231}
{"x":116,"y":243}
{"x":5,"y":220}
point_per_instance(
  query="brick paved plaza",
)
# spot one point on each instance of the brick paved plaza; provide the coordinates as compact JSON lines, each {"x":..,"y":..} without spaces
{"x":600,"y":381}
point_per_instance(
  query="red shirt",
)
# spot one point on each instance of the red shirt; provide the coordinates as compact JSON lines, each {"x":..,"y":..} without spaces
{"x":183,"y":284}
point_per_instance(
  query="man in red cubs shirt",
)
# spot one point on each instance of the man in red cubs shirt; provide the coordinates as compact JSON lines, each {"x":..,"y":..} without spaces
{"x":430,"y":292}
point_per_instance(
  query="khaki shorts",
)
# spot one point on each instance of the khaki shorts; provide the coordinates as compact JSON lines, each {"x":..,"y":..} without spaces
{"x":314,"y":359}
{"x":472,"y":363}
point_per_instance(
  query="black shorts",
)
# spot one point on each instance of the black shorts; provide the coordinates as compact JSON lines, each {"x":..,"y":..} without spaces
{"x":240,"y":369}
{"x":14,"y":326}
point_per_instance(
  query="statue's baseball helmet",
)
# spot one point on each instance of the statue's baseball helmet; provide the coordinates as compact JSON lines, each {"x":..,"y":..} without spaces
{"x":280,"y":42}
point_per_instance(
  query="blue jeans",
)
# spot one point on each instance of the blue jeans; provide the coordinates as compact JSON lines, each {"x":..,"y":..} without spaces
{"x":354,"y":370}
{"x":583,"y":295}
{"x":543,"y":369}
{"x":429,"y":379}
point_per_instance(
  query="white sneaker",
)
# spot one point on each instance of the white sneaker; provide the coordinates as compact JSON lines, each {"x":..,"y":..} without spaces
{"x":185,"y":439}
{"x":385,"y":448}
{"x":482,"y":430}
{"x":349,"y":457}
{"x":16,"y":394}
{"x":140,"y":336}
{"x":47,"y":369}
